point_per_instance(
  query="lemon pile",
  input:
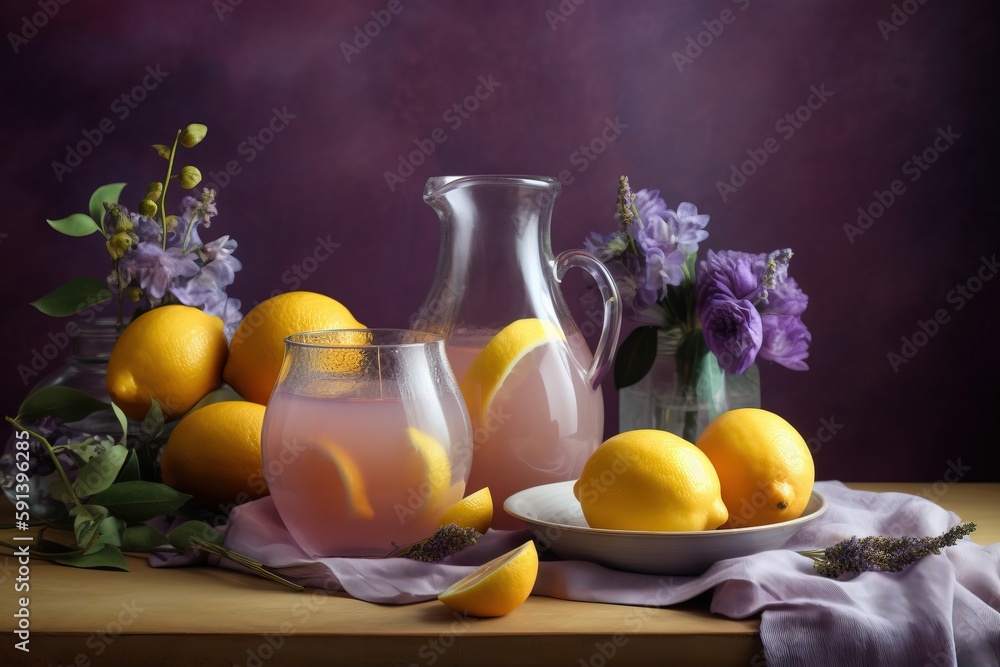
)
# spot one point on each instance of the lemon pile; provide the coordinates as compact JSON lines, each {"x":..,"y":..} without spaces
{"x":750,"y":467}
{"x":178,"y":356}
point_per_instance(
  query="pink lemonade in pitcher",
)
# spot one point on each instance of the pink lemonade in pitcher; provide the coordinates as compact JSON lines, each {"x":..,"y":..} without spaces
{"x":540,"y":427}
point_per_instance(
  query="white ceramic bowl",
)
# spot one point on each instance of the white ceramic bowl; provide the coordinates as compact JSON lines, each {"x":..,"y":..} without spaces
{"x":555,"y":517}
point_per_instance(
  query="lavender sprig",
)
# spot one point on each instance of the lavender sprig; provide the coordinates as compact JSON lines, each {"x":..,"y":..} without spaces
{"x":446,"y":541}
{"x":881,"y":554}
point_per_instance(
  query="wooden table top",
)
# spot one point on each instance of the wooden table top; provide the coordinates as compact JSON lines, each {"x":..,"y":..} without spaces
{"x":211,"y":616}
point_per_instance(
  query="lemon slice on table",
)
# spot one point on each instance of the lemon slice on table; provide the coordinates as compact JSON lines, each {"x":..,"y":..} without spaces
{"x":495,"y":362}
{"x":474,"y":511}
{"x":434,"y":468}
{"x":350,"y":477}
{"x":498,"y":587}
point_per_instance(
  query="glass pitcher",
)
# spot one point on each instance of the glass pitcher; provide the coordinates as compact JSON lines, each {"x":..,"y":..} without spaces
{"x":365,"y":440}
{"x":529,"y":380}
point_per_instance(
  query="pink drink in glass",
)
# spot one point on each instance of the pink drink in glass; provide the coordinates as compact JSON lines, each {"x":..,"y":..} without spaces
{"x":385,"y":497}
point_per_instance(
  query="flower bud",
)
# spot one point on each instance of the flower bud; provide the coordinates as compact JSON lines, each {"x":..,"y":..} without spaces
{"x":134,"y":293}
{"x":119,"y":244}
{"x":148,"y":207}
{"x":171,"y":222}
{"x":162,"y":151}
{"x":190,"y":177}
{"x":193,"y":134}
{"x":154,"y":190}
{"x":123,"y":223}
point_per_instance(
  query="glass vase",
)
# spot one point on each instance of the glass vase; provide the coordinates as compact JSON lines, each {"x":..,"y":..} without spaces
{"x":665,"y":401}
{"x":84,"y":369}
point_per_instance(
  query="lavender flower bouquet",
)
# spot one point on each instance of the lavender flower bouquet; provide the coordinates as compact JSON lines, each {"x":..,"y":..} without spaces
{"x":716,"y":316}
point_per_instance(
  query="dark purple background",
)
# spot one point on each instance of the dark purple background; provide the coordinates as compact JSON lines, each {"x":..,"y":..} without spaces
{"x":324,"y":174}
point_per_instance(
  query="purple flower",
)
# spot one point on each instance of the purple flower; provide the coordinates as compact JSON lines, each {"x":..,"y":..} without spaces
{"x":786,"y":299}
{"x":207,"y":289}
{"x":786,"y":340}
{"x":649,"y":205}
{"x":729,"y":273}
{"x":689,"y":227}
{"x":156,"y":269}
{"x":732,"y":331}
{"x":662,"y":263}
{"x":605,"y":248}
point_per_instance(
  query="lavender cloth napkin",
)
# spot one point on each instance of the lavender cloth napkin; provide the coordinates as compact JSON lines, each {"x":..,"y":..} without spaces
{"x":945,"y":610}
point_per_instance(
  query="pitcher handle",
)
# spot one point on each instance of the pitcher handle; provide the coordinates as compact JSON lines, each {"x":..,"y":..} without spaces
{"x":608,"y":343}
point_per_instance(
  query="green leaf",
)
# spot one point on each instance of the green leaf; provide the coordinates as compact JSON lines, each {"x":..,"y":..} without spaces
{"x":68,"y":404}
{"x":635,"y":356}
{"x":130,"y":470}
{"x":110,"y":530}
{"x":81,"y":451}
{"x":105,"y":193}
{"x":101,"y":471}
{"x":108,"y":556}
{"x":143,"y":538}
{"x":87,"y":522}
{"x":77,"y":224}
{"x":123,"y":421}
{"x":152,"y":425}
{"x":73,"y":296}
{"x":180,"y":535}
{"x":711,"y":385}
{"x":138,"y":500}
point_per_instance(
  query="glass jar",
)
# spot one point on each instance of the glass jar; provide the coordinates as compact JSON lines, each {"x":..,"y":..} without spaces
{"x":665,"y":401}
{"x":84,"y":369}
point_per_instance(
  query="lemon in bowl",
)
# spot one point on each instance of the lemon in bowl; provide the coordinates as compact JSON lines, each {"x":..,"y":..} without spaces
{"x":650,"y":480}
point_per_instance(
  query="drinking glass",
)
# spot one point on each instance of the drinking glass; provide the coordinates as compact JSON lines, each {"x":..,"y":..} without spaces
{"x":366,"y":440}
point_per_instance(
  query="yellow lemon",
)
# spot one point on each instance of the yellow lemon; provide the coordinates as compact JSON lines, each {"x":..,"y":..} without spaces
{"x":764,"y":465}
{"x":474,"y":511}
{"x":258,"y":346}
{"x":498,"y":587}
{"x":351,"y":481}
{"x":432,"y":470}
{"x":174,"y":354}
{"x":495,"y":362}
{"x":214,"y":454}
{"x":652,"y":481}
